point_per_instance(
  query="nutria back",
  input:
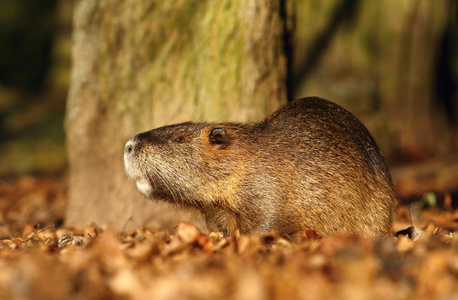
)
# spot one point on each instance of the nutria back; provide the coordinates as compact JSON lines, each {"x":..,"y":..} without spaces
{"x":309,"y":165}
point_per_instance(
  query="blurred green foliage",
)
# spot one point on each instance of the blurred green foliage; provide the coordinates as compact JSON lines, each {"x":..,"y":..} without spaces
{"x":27,"y":29}
{"x":33,"y":86}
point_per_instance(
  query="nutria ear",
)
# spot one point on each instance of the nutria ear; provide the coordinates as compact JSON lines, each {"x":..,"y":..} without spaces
{"x":218,"y":136}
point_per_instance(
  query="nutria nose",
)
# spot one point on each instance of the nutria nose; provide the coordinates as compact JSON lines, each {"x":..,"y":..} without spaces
{"x":129,"y":148}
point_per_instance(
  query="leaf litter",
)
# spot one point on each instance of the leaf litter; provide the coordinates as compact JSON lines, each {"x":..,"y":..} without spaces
{"x":41,"y":259}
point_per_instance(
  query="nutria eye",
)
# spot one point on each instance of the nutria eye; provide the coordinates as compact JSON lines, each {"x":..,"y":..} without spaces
{"x":178,"y":140}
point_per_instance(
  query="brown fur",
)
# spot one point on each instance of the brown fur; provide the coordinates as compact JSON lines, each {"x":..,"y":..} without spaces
{"x":309,"y":165}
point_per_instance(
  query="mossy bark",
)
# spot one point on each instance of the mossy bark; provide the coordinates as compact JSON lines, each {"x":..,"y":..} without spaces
{"x":141,"y":64}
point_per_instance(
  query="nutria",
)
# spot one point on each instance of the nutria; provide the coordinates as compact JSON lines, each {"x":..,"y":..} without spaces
{"x":309,"y":165}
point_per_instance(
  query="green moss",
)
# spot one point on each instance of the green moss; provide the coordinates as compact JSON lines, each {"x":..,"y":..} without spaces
{"x":41,"y":149}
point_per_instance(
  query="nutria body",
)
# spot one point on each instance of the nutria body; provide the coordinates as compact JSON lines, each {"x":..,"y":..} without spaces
{"x":309,"y":165}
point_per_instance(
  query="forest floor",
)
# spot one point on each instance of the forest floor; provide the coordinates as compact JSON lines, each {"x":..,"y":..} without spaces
{"x":41,"y":259}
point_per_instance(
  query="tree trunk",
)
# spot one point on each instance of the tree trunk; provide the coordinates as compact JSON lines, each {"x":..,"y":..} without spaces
{"x":141,"y":64}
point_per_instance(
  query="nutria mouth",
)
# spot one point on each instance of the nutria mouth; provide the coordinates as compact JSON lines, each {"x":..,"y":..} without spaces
{"x":134,"y":172}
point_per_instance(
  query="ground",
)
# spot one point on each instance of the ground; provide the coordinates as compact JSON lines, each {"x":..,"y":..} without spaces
{"x":41,"y":259}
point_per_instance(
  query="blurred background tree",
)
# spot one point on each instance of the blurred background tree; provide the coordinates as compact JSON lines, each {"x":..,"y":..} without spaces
{"x":394,"y":64}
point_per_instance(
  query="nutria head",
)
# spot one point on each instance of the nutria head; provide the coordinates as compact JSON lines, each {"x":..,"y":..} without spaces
{"x":174,"y":162}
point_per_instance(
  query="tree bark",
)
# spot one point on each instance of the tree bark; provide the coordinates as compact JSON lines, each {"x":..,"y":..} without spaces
{"x":141,"y":64}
